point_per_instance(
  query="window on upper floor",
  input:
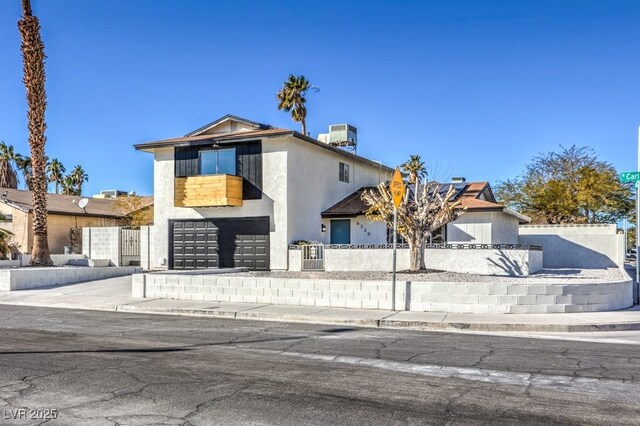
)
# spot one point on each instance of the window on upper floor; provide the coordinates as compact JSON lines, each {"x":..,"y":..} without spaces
{"x":218,"y":161}
{"x":344,"y":172}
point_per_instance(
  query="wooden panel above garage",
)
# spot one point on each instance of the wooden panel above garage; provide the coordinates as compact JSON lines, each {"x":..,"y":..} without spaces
{"x":208,"y":191}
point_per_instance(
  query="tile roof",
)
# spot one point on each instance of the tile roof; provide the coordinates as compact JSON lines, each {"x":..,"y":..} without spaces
{"x":62,"y":204}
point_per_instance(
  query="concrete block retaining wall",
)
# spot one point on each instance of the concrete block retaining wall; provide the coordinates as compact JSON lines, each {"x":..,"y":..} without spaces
{"x":484,"y":261}
{"x":58,"y":260}
{"x":28,"y":278}
{"x":459,"y":297}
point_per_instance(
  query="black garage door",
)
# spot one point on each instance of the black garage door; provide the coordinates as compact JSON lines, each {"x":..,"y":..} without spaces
{"x":220,"y":243}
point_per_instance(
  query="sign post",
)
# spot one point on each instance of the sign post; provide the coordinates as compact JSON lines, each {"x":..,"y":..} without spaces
{"x":626,"y":177}
{"x":397,"y":192}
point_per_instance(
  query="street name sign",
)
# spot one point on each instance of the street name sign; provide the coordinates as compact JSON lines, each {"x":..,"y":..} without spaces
{"x":626,"y":177}
{"x":397,"y":188}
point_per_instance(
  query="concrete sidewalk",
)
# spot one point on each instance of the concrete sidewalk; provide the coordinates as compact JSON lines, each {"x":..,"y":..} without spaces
{"x":114,"y":294}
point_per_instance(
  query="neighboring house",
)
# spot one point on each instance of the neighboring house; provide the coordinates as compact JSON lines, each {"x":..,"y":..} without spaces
{"x":64,"y":218}
{"x":237,"y":193}
{"x":484,"y":222}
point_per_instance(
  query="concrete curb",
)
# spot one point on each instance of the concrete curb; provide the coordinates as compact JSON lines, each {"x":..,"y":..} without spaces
{"x":388,"y":322}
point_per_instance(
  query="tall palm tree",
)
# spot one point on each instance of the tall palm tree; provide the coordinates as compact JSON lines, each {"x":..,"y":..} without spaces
{"x":55,"y":171}
{"x":34,"y":79}
{"x":78,"y":177}
{"x":415,"y":168}
{"x":8,"y":176}
{"x":292,"y":97}
{"x":24,"y":165}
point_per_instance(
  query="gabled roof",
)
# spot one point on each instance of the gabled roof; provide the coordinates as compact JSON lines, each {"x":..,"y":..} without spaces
{"x":254,"y":124}
{"x":207,"y":139}
{"x":195,"y":138}
{"x":353,"y":206}
{"x":61,"y":204}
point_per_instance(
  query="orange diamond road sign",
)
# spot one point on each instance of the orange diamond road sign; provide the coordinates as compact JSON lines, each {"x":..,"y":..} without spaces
{"x":397,"y":188}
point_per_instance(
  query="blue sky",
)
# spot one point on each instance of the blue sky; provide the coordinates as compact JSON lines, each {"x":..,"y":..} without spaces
{"x":477,"y":88}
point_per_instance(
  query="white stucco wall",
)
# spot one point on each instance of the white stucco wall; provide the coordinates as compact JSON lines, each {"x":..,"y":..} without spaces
{"x":314,"y":186}
{"x":576,"y":246}
{"x":362,"y":231}
{"x":273,"y":203}
{"x":300,"y":180}
{"x":145,"y":247}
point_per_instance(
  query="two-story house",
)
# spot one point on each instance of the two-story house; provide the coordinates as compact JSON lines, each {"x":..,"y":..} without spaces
{"x":237,"y":193}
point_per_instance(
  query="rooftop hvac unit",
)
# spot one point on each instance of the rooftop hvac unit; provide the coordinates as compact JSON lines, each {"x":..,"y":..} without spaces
{"x":344,"y":136}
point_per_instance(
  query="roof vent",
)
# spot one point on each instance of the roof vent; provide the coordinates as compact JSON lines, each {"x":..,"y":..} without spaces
{"x":458,"y":179}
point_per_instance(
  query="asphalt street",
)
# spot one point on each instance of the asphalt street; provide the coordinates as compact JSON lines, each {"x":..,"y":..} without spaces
{"x":94,"y":368}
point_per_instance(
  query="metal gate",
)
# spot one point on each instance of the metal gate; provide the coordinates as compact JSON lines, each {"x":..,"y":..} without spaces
{"x":130,"y":242}
{"x":313,"y":257}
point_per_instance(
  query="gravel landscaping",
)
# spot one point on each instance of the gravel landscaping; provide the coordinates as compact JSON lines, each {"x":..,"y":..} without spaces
{"x":546,"y":276}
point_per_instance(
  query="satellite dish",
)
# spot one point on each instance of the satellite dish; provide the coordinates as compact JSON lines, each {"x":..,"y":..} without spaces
{"x":83,"y":202}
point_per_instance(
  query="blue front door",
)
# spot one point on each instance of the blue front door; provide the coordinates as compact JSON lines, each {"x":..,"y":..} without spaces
{"x":341,"y":231}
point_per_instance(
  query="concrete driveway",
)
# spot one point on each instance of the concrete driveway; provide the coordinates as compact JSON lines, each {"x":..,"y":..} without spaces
{"x":104,"y":294}
{"x":117,"y":286}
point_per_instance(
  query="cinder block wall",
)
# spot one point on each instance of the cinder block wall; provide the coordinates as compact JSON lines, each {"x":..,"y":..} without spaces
{"x":459,"y":297}
{"x":102,"y":243}
{"x":576,"y":246}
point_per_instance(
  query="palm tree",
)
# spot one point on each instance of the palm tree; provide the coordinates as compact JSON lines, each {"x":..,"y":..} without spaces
{"x":68,"y":186}
{"x":8,"y":176}
{"x":34,"y":79}
{"x":55,"y":171}
{"x":415,"y":168}
{"x":292,"y":97}
{"x":24,"y":165}
{"x":78,"y":177}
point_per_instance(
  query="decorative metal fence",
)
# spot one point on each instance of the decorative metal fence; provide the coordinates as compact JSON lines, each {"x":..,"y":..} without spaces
{"x":313,"y":257}
{"x":130,"y":242}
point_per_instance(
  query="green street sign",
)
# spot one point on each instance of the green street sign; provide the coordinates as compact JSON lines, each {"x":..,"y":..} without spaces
{"x":626,"y":177}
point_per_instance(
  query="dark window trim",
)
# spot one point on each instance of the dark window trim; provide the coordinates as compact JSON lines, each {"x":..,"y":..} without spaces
{"x":343,"y":172}
{"x":217,"y":149}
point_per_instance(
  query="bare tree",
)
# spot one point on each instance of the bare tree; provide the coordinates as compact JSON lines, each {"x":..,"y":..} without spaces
{"x":418,"y":217}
